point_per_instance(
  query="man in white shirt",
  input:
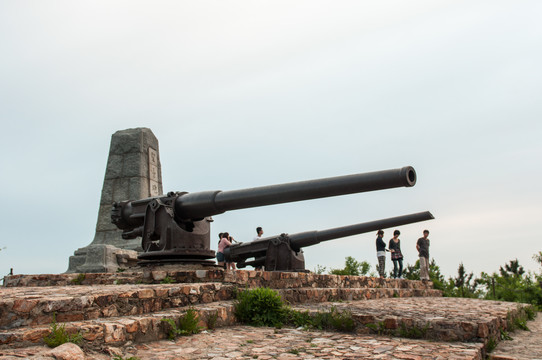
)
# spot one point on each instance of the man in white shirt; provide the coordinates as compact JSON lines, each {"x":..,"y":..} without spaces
{"x":259,"y":230}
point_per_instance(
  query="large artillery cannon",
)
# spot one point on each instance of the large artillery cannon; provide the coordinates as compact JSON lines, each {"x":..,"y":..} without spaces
{"x":176,"y":227}
{"x":284,"y":252}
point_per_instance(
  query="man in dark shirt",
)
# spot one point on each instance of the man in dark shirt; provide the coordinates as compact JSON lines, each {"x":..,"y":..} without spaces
{"x":381,"y":253}
{"x":423,"y":252}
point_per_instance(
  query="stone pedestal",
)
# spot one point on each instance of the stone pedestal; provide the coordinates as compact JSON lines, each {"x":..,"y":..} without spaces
{"x":133,"y":172}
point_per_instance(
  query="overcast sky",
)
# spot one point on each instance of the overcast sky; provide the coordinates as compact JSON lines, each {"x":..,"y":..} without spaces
{"x":250,"y":93}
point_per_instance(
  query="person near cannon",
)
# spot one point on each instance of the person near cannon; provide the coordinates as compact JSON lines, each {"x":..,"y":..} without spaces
{"x":423,"y":251}
{"x":259,"y":233}
{"x":222,"y":244}
{"x":381,"y":253}
{"x":396,"y":254}
{"x":230,"y":265}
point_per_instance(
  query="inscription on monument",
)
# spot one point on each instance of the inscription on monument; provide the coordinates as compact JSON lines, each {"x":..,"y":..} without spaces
{"x":153,"y":172}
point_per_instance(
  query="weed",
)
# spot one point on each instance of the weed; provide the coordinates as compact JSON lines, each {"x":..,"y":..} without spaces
{"x":530,"y":312}
{"x":59,"y":335}
{"x":520,"y":323}
{"x":505,"y":335}
{"x":167,"y":280}
{"x":79,"y":279}
{"x":119,"y":270}
{"x":378,"y":328}
{"x":293,"y":351}
{"x":413,"y":332}
{"x":334,"y":319}
{"x":118,"y":357}
{"x":491,"y":345}
{"x":250,"y":341}
{"x":188,"y":325}
{"x":211,"y":321}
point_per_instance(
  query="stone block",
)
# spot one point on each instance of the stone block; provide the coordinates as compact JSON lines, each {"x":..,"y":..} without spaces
{"x":114,"y":166}
{"x":135,"y":165}
{"x":145,"y":294}
{"x":138,"y":188}
{"x":35,"y":335}
{"x":126,"y":141}
{"x":67,"y":351}
{"x":24,"y":305}
{"x":107,"y":193}
{"x":114,"y":333}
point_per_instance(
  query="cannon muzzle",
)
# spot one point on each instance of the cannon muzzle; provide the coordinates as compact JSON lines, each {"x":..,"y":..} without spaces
{"x":309,"y":238}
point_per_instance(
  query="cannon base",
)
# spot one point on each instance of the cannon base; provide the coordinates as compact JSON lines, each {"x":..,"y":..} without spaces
{"x":185,"y":256}
{"x":179,"y":261}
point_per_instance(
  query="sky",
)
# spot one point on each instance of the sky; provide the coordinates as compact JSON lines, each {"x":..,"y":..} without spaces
{"x":251,"y":93}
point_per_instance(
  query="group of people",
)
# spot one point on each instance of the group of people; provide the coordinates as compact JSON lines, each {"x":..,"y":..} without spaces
{"x":394,"y":247}
{"x":225,"y":240}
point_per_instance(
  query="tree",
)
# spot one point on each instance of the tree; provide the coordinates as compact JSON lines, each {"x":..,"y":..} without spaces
{"x":512,"y":269}
{"x":353,"y":267}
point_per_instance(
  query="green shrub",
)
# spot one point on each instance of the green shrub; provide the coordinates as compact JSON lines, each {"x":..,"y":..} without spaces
{"x":260,"y":307}
{"x":211,"y":321}
{"x":491,"y":345}
{"x":188,"y":325}
{"x":59,"y":335}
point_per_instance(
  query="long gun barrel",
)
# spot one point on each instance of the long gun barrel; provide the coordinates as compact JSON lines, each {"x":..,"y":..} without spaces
{"x":208,"y":203}
{"x":284,"y":252}
{"x":187,"y":238}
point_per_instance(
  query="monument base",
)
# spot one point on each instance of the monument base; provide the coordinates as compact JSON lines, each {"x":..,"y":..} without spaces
{"x":101,"y":258}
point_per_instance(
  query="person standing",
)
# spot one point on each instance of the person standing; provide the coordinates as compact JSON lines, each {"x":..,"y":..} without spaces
{"x":259,"y":231}
{"x":423,"y":252}
{"x":222,"y":244}
{"x":396,"y":255}
{"x":231,"y":265}
{"x":381,"y":253}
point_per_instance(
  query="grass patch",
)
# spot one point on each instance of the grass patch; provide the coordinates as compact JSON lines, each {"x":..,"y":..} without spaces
{"x":264,"y":307}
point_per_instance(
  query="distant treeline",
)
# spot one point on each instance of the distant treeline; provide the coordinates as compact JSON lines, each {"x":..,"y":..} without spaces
{"x":510,"y":283}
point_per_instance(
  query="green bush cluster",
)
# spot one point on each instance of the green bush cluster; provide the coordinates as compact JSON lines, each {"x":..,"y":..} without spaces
{"x":260,"y":307}
{"x":264,"y":307}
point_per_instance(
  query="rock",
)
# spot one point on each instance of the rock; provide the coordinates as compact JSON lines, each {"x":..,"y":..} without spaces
{"x":67,"y":351}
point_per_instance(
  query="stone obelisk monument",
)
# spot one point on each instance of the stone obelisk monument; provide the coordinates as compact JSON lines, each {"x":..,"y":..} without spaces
{"x":133,"y":172}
